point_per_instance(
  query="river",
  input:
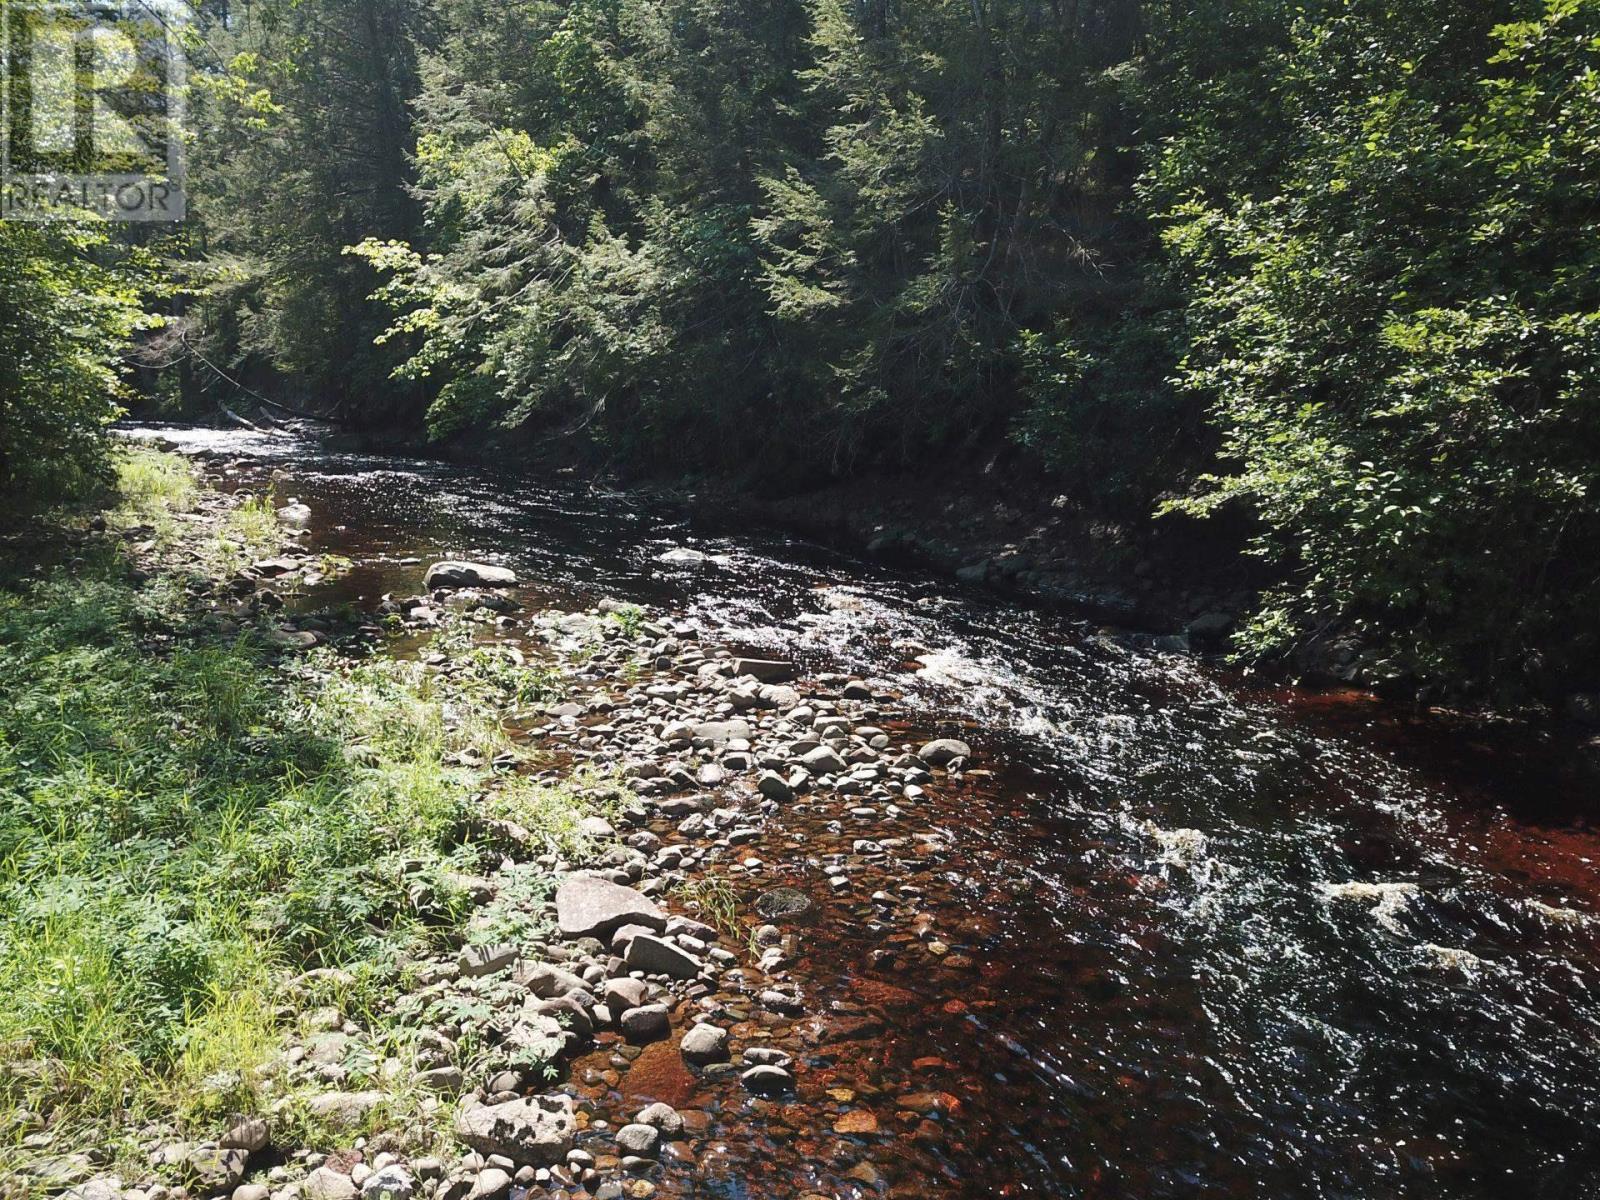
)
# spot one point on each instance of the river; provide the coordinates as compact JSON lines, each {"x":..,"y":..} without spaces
{"x":1221,"y":938}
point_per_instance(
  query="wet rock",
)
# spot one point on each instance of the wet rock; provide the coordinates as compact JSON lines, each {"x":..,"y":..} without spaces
{"x":588,"y":906}
{"x":655,"y":956}
{"x":858,"y":1122}
{"x":764,"y":670}
{"x":537,"y":1131}
{"x":639,"y":1139}
{"x":467,"y":574}
{"x":781,"y":1002}
{"x":663,"y":1117}
{"x":774,"y":787}
{"x":682,"y":557}
{"x":783,"y":903}
{"x":1211,"y":627}
{"x":944,"y":751}
{"x":647,"y":1023}
{"x":767,"y":1081}
{"x":705,"y":1044}
{"x":767,"y":1056}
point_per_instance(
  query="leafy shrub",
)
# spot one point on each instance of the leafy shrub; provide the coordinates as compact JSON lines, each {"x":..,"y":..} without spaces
{"x":1401,"y":339}
{"x":66,"y":318}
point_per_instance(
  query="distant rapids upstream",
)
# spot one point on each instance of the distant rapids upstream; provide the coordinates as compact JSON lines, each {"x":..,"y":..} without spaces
{"x":1229,"y":940}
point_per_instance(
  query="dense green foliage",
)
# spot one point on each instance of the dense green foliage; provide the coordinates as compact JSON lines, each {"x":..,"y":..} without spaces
{"x":303,"y":151}
{"x":1326,"y":264}
{"x":1395,"y":305}
{"x":804,"y":234}
{"x":68,"y":306}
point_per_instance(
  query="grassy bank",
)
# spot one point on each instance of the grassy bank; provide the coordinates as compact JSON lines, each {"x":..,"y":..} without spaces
{"x":186,"y":822}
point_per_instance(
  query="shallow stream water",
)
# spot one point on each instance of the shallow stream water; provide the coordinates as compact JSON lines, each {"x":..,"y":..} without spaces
{"x":1206,"y":938}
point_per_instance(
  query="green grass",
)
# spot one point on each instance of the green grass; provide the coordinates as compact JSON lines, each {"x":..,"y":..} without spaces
{"x":250,"y":531}
{"x":152,"y":485}
{"x":716,"y":903}
{"x":553,"y":811}
{"x":185,"y":823}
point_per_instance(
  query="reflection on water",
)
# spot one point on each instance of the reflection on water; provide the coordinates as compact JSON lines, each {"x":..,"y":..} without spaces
{"x":1213,"y":940}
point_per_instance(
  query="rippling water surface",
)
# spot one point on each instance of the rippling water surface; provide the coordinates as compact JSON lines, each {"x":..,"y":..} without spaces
{"x":1225,"y":941}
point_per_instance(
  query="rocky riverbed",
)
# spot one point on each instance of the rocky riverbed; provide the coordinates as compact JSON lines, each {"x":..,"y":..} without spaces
{"x":618,"y":1054}
{"x":1161,"y":933}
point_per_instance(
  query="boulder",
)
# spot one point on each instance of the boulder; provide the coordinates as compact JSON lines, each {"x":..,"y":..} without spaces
{"x":621,"y":936}
{"x":327,"y":1184}
{"x":475,"y":961}
{"x":249,"y":1134}
{"x":467,"y":574}
{"x":944,"y":751}
{"x":705,"y":1044}
{"x":345,"y":1110}
{"x":638,"y":1139}
{"x":719,"y":732}
{"x":647,"y":1023}
{"x":546,"y":981}
{"x":537,"y":1131}
{"x":623,"y":994}
{"x":215,"y":1170}
{"x":587,"y":906}
{"x":446,"y":1080}
{"x":655,"y":956}
{"x":823,"y":761}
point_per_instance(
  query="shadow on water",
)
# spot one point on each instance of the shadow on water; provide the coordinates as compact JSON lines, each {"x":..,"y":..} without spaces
{"x":1202,"y":938}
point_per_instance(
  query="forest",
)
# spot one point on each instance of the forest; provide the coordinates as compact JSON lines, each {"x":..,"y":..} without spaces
{"x":1324,"y":265}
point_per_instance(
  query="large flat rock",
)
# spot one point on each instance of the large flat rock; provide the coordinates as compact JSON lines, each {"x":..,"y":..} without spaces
{"x":537,"y":1131}
{"x":655,"y":956}
{"x":587,"y":906}
{"x":453,"y":574}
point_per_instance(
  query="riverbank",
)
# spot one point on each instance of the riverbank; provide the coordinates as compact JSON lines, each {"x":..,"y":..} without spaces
{"x":359,"y":915}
